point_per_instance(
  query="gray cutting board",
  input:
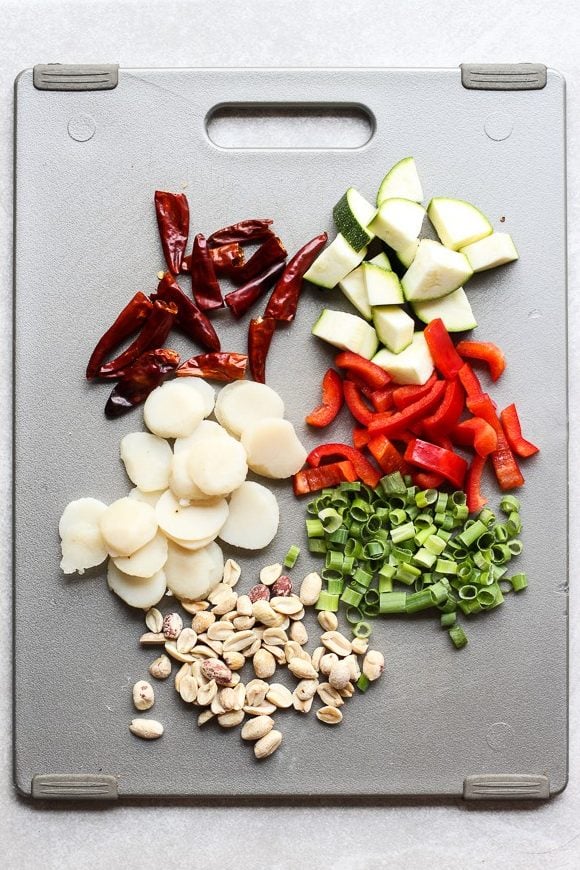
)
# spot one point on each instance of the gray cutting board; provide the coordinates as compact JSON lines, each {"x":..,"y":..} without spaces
{"x":441,"y":722}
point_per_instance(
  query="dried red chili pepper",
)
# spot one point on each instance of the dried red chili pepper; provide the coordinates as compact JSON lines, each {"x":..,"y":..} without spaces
{"x":313,"y":479}
{"x":204,"y":284}
{"x":241,"y":300}
{"x":173,"y":221}
{"x":215,"y":366}
{"x":154,"y":332}
{"x":332,"y":399}
{"x":146,"y":373}
{"x":193,"y":322}
{"x":510,"y":422}
{"x":248,"y":231}
{"x":364,"y":469}
{"x":131,"y":319}
{"x":260,"y":334}
{"x":362,"y":370}
{"x":283,"y":302}
{"x":269,"y":254}
{"x":226,"y":259}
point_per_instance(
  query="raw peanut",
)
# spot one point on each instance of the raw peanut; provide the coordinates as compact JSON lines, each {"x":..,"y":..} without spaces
{"x":206,"y":694}
{"x":205,"y":716}
{"x":213,"y":669}
{"x":302,"y":706}
{"x":152,"y":638}
{"x":329,"y":715}
{"x":259,"y":592}
{"x":215,"y":645}
{"x":234,"y":660}
{"x":216,"y":706}
{"x":310,"y":589}
{"x":316,"y":655}
{"x":240,"y":641}
{"x":279,"y":695}
{"x":264,"y":664}
{"x":231,"y":684}
{"x":373,"y":665}
{"x":201,"y":651}
{"x":194,"y":607}
{"x":284,"y":624}
{"x":147,"y":729}
{"x":354,"y":667}
{"x":275,"y":637}
{"x":270,"y":574}
{"x":220,"y":630}
{"x":302,"y":669}
{"x":265,"y":709}
{"x":277,"y":652}
{"x":256,"y":691}
{"x":171,"y":650}
{"x":282,"y":587}
{"x":306,"y":689}
{"x":239,"y":696}
{"x":327,"y":661}
{"x":160,"y":668}
{"x":172,"y":625}
{"x":293,"y":650}
{"x":257,"y":727}
{"x":244,"y":605}
{"x":154,"y":620}
{"x":230,"y":615}
{"x":296,"y":617}
{"x":336,"y":643}
{"x":339,"y":676}
{"x":327,"y":620}
{"x":197,"y":672}
{"x":262,"y":611}
{"x":359,"y":645}
{"x":347,"y":692}
{"x":186,"y":640}
{"x":232,"y":573}
{"x":227,"y":699}
{"x":265,"y":746}
{"x":202,"y":621}
{"x":286,"y":605}
{"x":329,"y":695}
{"x":188,"y":689}
{"x":259,"y":631}
{"x":242,"y":623}
{"x":184,"y":671}
{"x":218,"y":592}
{"x":231,"y":718}
{"x":143,"y":695}
{"x":252,"y":650}
{"x":225,"y":604}
{"x":298,"y":633}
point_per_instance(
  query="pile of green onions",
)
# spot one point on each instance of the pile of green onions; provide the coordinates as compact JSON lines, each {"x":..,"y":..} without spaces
{"x":374,"y":540}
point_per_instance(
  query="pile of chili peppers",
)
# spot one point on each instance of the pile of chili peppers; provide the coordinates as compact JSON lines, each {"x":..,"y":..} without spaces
{"x":415,"y":429}
{"x":145,"y":363}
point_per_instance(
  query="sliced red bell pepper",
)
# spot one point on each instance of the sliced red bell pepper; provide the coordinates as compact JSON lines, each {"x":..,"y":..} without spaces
{"x":313,"y":479}
{"x":427,"y":480}
{"x":475,"y":500}
{"x":364,"y":470}
{"x":442,"y":349}
{"x":356,"y":404}
{"x":470,"y":381}
{"x":332,"y":400}
{"x":476,"y":433}
{"x":510,"y":422}
{"x":447,"y":414}
{"x":369,"y":373}
{"x":506,"y":468}
{"x":391,"y":424}
{"x":407,"y":395}
{"x":386,"y":455}
{"x":383,"y":399}
{"x":487,"y":352}
{"x":360,"y":437}
{"x":438,"y":460}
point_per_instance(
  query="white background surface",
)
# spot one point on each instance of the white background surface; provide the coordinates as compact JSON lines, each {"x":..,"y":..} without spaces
{"x":289,"y":33}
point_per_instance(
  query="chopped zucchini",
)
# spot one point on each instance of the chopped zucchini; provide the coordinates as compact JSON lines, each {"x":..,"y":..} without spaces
{"x":382,"y":261}
{"x":352,"y":215}
{"x":458,"y":223}
{"x":413,"y":365}
{"x":435,"y":272}
{"x":401,"y":181}
{"x":398,"y":222}
{"x":492,"y":251}
{"x":383,"y":288}
{"x":394,"y":327}
{"x":334,"y":263}
{"x":454,"y":310}
{"x":354,"y":288}
{"x":347,"y":332}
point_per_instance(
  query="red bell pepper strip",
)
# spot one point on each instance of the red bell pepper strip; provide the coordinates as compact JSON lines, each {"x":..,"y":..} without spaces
{"x":191,"y":320}
{"x":244,"y":232}
{"x":146,"y":373}
{"x":410,"y":393}
{"x":356,"y":404}
{"x":241,"y":300}
{"x":364,"y":470}
{"x":506,"y":468}
{"x":269,"y":254}
{"x":386,"y":455}
{"x":204,"y":283}
{"x":393,"y":424}
{"x":173,"y":221}
{"x":475,"y":500}
{"x":369,"y":373}
{"x":313,"y":479}
{"x":332,"y":400}
{"x":510,"y":422}
{"x":427,"y":480}
{"x":215,"y":366}
{"x":447,"y":414}
{"x":487,"y":352}
{"x":383,"y":399}
{"x":438,"y":460}
{"x":154,"y":332}
{"x":475,"y":433}
{"x":360,"y":437}
{"x":131,"y":319}
{"x":260,"y":334}
{"x":442,"y":349}
{"x":283,"y":302}
{"x":470,"y":381}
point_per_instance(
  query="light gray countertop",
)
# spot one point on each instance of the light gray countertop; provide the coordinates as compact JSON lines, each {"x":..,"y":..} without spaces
{"x":289,"y":33}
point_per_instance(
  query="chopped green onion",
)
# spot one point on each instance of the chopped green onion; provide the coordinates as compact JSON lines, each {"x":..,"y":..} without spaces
{"x":435,"y":544}
{"x":335,"y":585}
{"x":392,"y":602}
{"x":353,"y":615}
{"x":353,"y":548}
{"x":352,"y":597}
{"x":445,"y":566}
{"x":486,"y":597}
{"x":291,"y":556}
{"x":397,"y":517}
{"x":407,"y":574}
{"x":424,"y":559}
{"x":426,"y":497}
{"x":458,"y":636}
{"x":326,"y":601}
{"x":509,"y":504}
{"x":402,"y":533}
{"x":331,"y":574}
{"x":316,"y":545}
{"x":362,"y":629}
{"x":470,"y":535}
{"x":314,"y":529}
{"x":363,"y":683}
{"x":515,"y":547}
{"x":339,"y":537}
{"x":486,"y":516}
{"x":518,"y":582}
{"x":448,"y":619}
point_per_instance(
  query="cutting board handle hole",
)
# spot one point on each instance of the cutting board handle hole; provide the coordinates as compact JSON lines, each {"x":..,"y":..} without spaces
{"x":288,"y":126}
